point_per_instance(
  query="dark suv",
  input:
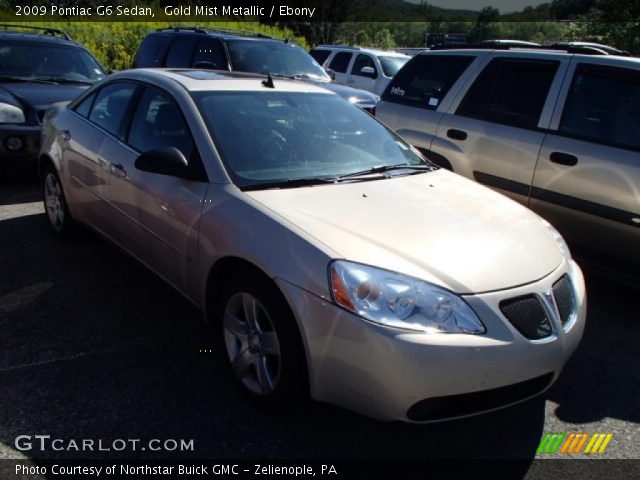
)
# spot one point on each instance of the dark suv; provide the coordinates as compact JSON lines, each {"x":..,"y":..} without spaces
{"x":38,"y":67}
{"x":192,"y":47}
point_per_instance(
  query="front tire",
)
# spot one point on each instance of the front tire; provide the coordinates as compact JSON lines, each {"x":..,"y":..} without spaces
{"x":55,"y":204}
{"x":259,"y":341}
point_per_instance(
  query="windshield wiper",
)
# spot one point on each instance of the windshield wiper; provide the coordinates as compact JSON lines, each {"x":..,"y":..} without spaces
{"x":5,"y":78}
{"x":62,"y":80}
{"x":289,"y":183}
{"x":387,"y":168}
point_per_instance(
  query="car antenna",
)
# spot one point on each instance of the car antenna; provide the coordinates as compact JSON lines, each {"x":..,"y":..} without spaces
{"x":268,"y":82}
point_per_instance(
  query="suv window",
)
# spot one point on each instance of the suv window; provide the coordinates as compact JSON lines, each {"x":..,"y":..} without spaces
{"x":510,"y":91}
{"x":362,"y":61}
{"x":182,"y":51}
{"x":603,"y":105}
{"x":340,"y":62}
{"x":152,"y":51}
{"x":210,"y":54}
{"x":426,"y":79}
{"x":158,"y":123}
{"x":111,"y":105}
{"x":320,"y":56}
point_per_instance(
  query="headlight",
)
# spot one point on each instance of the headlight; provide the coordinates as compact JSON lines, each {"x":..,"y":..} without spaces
{"x":395,"y":300}
{"x":555,"y":234}
{"x":11,"y":114}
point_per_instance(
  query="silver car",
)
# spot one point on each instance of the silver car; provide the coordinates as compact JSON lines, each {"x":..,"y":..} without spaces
{"x":329,"y":257}
{"x":556,"y":131}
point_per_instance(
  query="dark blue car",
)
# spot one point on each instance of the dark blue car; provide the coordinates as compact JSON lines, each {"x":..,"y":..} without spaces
{"x":38,"y":68}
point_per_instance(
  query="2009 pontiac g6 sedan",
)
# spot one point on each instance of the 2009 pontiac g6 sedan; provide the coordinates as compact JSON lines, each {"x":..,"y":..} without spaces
{"x":328,"y":256}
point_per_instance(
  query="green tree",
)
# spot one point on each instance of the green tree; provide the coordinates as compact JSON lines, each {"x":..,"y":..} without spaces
{"x":362,"y":38}
{"x":383,"y":39}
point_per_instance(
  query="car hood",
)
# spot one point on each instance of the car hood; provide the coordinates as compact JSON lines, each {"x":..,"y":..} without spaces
{"x":436,"y":226}
{"x":41,"y":96}
{"x":362,"y":97}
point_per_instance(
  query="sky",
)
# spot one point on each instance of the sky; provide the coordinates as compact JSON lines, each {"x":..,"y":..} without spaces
{"x":504,"y":6}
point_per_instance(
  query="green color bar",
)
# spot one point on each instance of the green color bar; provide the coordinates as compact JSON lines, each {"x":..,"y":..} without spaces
{"x":559,"y":440}
{"x":543,"y":443}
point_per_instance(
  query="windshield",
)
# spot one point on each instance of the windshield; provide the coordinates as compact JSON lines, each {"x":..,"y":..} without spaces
{"x":277,"y":58}
{"x":391,"y":65}
{"x":38,"y":60}
{"x":267,"y":137}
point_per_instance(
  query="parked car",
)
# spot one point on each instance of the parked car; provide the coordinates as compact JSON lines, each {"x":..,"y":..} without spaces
{"x":364,"y":68}
{"x":192,"y":47}
{"x":38,"y":68}
{"x":328,"y":255}
{"x":558,"y":132}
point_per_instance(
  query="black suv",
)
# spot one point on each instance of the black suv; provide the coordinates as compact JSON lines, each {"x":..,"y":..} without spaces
{"x":38,"y":67}
{"x":193,"y":47}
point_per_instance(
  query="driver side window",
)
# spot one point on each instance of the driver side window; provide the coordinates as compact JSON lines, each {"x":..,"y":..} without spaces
{"x":159,"y":123}
{"x":361,"y":62}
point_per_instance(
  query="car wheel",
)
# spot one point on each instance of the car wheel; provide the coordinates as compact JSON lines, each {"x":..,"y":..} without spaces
{"x":260,"y":342}
{"x":55,"y":204}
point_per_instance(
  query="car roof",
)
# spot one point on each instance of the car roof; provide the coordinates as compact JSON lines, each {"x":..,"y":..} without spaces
{"x":224,"y":34}
{"x":541,"y":52}
{"x":36,"y":37}
{"x":202,"y":80}
{"x":373,"y":51}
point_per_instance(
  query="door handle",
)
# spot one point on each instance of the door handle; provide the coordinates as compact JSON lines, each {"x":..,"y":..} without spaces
{"x":563,"y":158}
{"x":65,"y":135}
{"x":456,"y":134}
{"x":117,"y":170}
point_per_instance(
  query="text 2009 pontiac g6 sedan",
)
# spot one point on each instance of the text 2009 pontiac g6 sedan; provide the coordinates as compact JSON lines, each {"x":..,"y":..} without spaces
{"x":329,"y":257}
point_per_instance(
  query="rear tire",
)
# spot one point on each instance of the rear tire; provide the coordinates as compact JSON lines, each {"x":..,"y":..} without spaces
{"x":55,"y":203}
{"x":257,"y":339}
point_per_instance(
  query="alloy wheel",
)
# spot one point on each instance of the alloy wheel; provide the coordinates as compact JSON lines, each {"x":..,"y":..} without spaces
{"x":252,"y":344}
{"x":54,"y":201}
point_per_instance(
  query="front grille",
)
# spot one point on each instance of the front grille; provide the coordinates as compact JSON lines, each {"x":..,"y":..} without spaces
{"x":440,"y":408}
{"x":565,"y":299}
{"x":528,"y":315}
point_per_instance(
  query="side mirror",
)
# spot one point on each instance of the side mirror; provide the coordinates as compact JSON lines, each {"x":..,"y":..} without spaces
{"x":368,"y":71}
{"x":331,"y":73}
{"x":164,"y":161}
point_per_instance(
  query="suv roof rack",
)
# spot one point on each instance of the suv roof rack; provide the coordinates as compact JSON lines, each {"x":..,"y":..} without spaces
{"x":197,"y":29}
{"x":348,"y":47}
{"x":584,"y":50}
{"x":47,"y":31}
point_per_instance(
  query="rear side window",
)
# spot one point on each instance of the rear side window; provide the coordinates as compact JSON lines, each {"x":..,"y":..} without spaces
{"x":111,"y":106}
{"x":603,"y":105}
{"x":426,"y":79}
{"x":152,"y":51}
{"x":158,"y":123}
{"x":320,"y":56}
{"x":182,"y":52}
{"x":510,"y":92}
{"x":210,"y":54}
{"x":85,"y":106}
{"x":340,"y":62}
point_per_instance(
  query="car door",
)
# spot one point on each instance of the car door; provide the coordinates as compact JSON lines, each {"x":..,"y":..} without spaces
{"x":420,"y":93}
{"x":495,"y":132}
{"x":158,"y":214}
{"x":363,"y":73}
{"x":96,"y":118}
{"x":587,"y":182}
{"x":339,"y":65}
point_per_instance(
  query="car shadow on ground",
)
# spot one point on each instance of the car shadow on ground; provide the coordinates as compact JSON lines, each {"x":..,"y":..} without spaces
{"x":95,"y":346}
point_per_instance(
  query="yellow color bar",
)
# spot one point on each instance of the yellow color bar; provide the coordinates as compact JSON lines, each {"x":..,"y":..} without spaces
{"x":605,"y":443}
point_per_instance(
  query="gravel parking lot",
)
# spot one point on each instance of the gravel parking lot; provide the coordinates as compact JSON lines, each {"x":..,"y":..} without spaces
{"x":94,"y":346}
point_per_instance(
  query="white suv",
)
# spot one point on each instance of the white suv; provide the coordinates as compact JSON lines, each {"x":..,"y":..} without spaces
{"x":364,"y":68}
{"x":558,"y":132}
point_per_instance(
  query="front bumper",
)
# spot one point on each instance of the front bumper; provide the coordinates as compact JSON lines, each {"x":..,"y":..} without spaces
{"x":30,"y":139}
{"x":383,"y":372}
